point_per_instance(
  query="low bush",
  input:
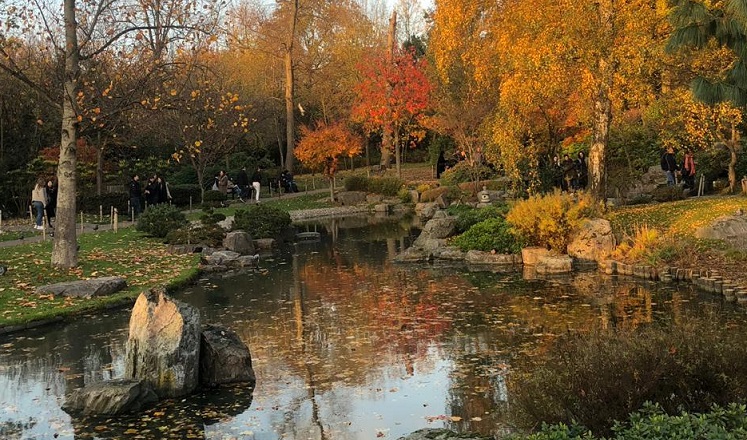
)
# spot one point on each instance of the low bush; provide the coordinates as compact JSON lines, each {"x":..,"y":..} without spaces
{"x":388,"y":186}
{"x":91,"y":203}
{"x":181,"y":194}
{"x":549,"y":220}
{"x":213,"y":199}
{"x":605,"y":375}
{"x":209,"y":235}
{"x":261,"y":221}
{"x":464,"y":172}
{"x":635,"y":247}
{"x":493,"y":234}
{"x":356,"y":183}
{"x":159,"y":220}
{"x":432,"y":194}
{"x":467,"y":215}
{"x":404,"y":195}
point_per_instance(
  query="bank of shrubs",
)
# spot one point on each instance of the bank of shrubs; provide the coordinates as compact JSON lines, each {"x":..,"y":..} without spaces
{"x":158,"y":220}
{"x":597,"y":378}
{"x":547,"y":221}
{"x":206,"y":232}
{"x":262,"y":221}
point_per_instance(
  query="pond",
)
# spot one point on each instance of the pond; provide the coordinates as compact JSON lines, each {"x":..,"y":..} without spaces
{"x":345,"y":344}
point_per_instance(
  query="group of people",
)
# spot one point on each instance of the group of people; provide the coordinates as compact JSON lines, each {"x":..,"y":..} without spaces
{"x":672,"y":168}
{"x":44,"y":202}
{"x":570,"y":174}
{"x":156,"y":192}
{"x":248,"y":188}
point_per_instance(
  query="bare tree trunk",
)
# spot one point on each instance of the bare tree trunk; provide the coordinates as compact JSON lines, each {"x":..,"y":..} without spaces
{"x":600,"y":139}
{"x":99,"y":167}
{"x":733,"y":146}
{"x":397,"y":154}
{"x":289,"y":85}
{"x":65,"y":248}
{"x":388,"y":135}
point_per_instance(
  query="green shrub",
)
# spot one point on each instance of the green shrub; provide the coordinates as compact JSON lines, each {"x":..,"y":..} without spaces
{"x":209,"y":235}
{"x":404,"y":195}
{"x":493,"y":234}
{"x":261,"y":221}
{"x":356,"y":183}
{"x":91,"y":203}
{"x":467,"y":215}
{"x":549,"y":220}
{"x":159,"y":220}
{"x":210,"y":217}
{"x":464,"y":172}
{"x":601,"y":377}
{"x":180,"y":194}
{"x":213,"y":199}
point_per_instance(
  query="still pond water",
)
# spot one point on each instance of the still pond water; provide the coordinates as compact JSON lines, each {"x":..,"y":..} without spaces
{"x":345,"y":344}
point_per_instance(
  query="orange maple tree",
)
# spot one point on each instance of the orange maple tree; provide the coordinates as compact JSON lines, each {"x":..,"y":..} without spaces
{"x":320,"y":148}
{"x":392,"y":96}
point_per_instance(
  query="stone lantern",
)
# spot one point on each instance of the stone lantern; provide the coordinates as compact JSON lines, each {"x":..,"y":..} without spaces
{"x":483,"y":197}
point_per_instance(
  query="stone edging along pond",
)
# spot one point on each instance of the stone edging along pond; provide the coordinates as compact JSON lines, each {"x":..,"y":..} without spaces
{"x":706,"y":279}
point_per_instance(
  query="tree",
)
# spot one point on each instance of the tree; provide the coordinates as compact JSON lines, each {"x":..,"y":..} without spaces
{"x":392,"y":96}
{"x":320,"y":148}
{"x":699,"y":25}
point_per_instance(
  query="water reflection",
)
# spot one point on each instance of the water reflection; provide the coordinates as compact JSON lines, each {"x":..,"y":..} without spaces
{"x":345,"y":345}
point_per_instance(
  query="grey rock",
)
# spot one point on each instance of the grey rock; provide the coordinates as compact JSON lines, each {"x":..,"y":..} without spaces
{"x":85,"y":288}
{"x":412,"y":255}
{"x":732,"y":229}
{"x":426,"y":211}
{"x":226,"y":224}
{"x":224,"y":358}
{"x":593,"y":241}
{"x":221,"y":258}
{"x":382,"y":208}
{"x":553,"y":264}
{"x":246,"y":261}
{"x":164,"y":344}
{"x":239,"y":242}
{"x":374,"y":198}
{"x":481,"y":257}
{"x":351,"y":198}
{"x":112,"y":397}
{"x":531,"y":255}
{"x":265,"y":243}
{"x":440,"y":226}
{"x":181,"y":249}
{"x":451,"y":253}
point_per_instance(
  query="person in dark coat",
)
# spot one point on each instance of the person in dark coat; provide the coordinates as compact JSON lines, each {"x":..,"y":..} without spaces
{"x":135,"y":195}
{"x":151,"y":191}
{"x":669,"y":165}
{"x":582,"y":171}
{"x":242,"y":181}
{"x":51,"y":207}
{"x":440,"y":165}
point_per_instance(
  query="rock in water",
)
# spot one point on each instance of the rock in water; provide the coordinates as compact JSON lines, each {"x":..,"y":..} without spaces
{"x":109,"y":398}
{"x":163,"y":348}
{"x":224,"y":358}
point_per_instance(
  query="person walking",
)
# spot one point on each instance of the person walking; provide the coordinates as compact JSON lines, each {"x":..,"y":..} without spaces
{"x":242,"y":181}
{"x":582,"y":171}
{"x":223,"y":182}
{"x":51,"y":207}
{"x":39,"y":201}
{"x":256,"y":183}
{"x":135,"y":195}
{"x":669,"y":165}
{"x":688,"y":169}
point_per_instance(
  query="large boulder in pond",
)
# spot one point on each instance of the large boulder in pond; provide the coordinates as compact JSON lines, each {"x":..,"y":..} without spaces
{"x":224,"y":358}
{"x":85,"y":288}
{"x":111,"y":397}
{"x":239,"y":242}
{"x":440,"y":226}
{"x":163,"y":348}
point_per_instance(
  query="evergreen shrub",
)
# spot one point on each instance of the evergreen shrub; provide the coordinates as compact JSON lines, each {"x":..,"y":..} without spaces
{"x":180,"y":194}
{"x":261,"y":221}
{"x":493,"y":234}
{"x":159,"y":220}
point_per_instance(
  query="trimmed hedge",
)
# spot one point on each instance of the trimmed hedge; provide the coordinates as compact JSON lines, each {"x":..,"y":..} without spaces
{"x":261,"y":221}
{"x":90,"y":203}
{"x":180,"y":194}
{"x":388,"y":186}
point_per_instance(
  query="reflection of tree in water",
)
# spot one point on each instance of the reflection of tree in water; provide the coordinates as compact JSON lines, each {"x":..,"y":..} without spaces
{"x":177,"y":419}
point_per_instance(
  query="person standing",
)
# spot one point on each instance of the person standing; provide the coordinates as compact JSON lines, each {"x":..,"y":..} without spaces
{"x":256,"y":182}
{"x":223,"y":182}
{"x":51,"y":207}
{"x":242,"y":181}
{"x":135,"y":194}
{"x":582,"y":171}
{"x":151,"y":191}
{"x":39,"y":201}
{"x":440,"y":165}
{"x":688,"y":169}
{"x":669,"y":164}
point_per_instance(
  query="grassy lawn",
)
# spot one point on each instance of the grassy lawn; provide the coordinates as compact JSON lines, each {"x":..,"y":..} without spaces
{"x":680,"y":218}
{"x":142,"y":261}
